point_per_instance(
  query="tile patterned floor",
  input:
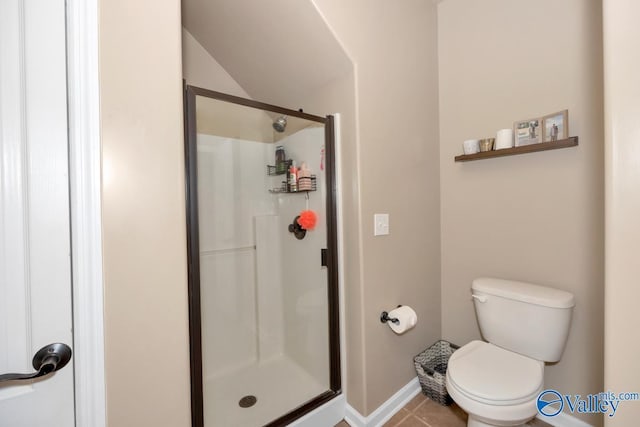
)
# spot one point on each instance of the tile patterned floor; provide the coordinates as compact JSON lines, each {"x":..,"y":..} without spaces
{"x":423,"y":412}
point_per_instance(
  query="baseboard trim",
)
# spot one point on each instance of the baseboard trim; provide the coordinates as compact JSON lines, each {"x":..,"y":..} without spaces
{"x":385,"y":411}
{"x":564,"y":420}
{"x":396,"y":402}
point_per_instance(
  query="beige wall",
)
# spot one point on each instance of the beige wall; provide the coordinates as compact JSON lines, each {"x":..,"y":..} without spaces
{"x":202,"y":70}
{"x":146,"y":332}
{"x":276,"y":50}
{"x":218,"y":117}
{"x":535,"y":217}
{"x":622,"y":166}
{"x":393,"y":47}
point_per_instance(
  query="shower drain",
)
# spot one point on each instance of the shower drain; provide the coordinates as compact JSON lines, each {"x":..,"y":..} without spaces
{"x":247,"y":401}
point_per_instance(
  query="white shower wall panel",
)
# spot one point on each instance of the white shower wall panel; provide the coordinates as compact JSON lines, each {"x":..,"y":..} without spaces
{"x":232,"y":189}
{"x":228,"y":301}
{"x":269,"y":287}
{"x":241,"y":314}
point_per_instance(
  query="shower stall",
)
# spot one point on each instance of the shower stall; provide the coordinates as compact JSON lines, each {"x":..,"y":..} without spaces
{"x":263,"y":282}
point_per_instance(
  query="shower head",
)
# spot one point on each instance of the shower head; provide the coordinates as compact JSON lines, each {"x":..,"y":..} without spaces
{"x":280,"y":124}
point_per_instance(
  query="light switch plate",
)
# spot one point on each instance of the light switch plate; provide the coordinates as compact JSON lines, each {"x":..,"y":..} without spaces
{"x":380,"y":224}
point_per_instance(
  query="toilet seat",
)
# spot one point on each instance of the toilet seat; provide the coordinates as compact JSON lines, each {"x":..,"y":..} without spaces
{"x":492,"y":375}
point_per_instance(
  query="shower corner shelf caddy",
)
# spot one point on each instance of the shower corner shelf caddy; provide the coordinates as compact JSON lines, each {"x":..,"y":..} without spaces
{"x":274,"y":171}
{"x":543,"y":146}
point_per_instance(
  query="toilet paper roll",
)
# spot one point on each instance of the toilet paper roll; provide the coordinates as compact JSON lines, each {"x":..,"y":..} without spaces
{"x":504,"y":139}
{"x":407,"y":319}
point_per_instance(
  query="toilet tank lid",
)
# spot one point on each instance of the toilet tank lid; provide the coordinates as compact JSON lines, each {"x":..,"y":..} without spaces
{"x":525,"y":292}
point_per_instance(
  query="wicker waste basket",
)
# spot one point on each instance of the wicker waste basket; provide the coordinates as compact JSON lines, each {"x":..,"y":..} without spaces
{"x":431,"y":367}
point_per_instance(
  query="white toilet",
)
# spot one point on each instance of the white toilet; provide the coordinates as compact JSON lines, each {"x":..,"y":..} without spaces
{"x":497,"y":382}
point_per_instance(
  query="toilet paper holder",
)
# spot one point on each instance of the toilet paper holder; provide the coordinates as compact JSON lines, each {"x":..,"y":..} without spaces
{"x":384,"y":317}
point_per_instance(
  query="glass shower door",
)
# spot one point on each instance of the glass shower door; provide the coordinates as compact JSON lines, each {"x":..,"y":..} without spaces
{"x":262,"y":251}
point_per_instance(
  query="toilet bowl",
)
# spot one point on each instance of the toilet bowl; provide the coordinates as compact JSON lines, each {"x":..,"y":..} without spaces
{"x":494,"y":386}
{"x":497,"y":382}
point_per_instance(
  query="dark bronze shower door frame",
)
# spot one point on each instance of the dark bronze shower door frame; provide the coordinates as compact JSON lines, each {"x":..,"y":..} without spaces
{"x":195,"y":327}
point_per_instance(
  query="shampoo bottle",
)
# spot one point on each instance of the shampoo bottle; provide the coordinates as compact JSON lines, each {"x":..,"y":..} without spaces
{"x":293,"y":178}
{"x":304,"y":178}
{"x":281,"y":166}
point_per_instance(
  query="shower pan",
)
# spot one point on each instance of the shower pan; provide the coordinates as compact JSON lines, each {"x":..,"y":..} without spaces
{"x":262,"y":247}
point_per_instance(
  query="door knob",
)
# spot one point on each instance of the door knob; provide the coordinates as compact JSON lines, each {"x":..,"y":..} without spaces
{"x":48,"y":359}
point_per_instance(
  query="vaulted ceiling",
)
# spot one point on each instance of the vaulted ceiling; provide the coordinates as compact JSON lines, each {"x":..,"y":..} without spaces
{"x":277,"y":50}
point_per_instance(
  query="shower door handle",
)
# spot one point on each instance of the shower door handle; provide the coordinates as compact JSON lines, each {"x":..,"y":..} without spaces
{"x":48,"y":359}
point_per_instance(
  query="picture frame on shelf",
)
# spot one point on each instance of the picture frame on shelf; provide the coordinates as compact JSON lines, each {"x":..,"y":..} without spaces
{"x":555,"y":126}
{"x":527,"y":132}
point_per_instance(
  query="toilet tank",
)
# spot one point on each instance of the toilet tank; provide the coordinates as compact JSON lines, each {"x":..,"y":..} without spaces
{"x":527,"y":319}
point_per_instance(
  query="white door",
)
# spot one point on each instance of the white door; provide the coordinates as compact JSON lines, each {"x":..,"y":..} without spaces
{"x":35,"y":278}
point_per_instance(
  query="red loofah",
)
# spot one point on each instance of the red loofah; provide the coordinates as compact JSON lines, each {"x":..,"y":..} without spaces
{"x":307,"y":220}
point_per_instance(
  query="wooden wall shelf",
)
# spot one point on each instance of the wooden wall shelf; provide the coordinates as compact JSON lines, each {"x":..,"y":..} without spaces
{"x":543,"y":146}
